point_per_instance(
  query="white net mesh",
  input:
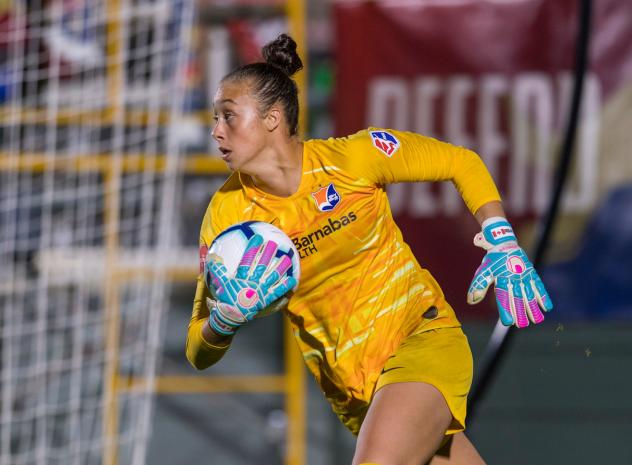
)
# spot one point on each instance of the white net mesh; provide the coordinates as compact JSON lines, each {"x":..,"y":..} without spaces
{"x":89,"y":93}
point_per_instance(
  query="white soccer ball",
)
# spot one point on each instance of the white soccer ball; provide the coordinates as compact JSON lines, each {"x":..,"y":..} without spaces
{"x":230,"y":246}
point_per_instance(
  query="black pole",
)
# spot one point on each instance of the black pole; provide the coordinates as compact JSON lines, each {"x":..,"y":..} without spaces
{"x":498,"y":343}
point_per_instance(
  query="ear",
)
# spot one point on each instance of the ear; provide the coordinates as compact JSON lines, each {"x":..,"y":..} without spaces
{"x":273,"y":118}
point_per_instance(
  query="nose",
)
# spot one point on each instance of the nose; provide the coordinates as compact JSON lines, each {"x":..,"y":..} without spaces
{"x":218,"y":131}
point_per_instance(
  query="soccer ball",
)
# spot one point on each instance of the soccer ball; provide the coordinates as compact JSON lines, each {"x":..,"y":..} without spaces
{"x":231,"y":243}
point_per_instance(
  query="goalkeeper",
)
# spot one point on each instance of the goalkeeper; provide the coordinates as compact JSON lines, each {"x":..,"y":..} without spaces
{"x":373,"y":326}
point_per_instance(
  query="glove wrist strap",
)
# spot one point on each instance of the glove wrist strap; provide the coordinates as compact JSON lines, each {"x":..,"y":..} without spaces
{"x":219,"y":324}
{"x":497,"y":231}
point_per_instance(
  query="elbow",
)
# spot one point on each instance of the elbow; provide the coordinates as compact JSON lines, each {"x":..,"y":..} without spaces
{"x":195,"y":359}
{"x":200,"y":356}
{"x":198,"y":365}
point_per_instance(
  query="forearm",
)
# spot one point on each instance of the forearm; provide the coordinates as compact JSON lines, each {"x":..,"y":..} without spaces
{"x":475,"y":184}
{"x":213,"y":338}
{"x":205,"y":350}
{"x":489,"y":210}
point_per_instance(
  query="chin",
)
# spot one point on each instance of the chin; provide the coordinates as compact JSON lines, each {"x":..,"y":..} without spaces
{"x":231,"y":165}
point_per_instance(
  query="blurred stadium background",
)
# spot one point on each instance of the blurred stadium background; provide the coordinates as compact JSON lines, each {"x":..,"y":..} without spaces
{"x":107,"y":165}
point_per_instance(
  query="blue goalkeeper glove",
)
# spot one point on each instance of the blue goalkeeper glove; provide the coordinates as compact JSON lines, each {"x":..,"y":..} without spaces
{"x":258,"y":281}
{"x":520,"y":293}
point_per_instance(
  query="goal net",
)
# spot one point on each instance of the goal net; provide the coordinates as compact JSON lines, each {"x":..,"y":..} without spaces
{"x":90,"y":91}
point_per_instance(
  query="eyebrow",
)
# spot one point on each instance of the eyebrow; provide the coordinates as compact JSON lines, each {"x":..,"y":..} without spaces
{"x":227,"y":100}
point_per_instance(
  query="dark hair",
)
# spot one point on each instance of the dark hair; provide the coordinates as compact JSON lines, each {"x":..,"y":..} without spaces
{"x":271,"y":81}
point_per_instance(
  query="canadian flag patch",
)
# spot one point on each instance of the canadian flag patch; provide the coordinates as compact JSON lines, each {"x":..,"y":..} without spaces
{"x":500,"y":232}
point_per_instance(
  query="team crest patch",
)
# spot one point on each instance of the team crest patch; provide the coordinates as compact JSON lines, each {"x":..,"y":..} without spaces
{"x":385,"y":142}
{"x":326,"y":198}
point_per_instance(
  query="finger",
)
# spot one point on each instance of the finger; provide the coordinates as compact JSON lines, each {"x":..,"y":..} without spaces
{"x":541,"y":294}
{"x":217,"y":269}
{"x":531,"y":303}
{"x":501,"y":289}
{"x":213,"y":291}
{"x":219,"y":289}
{"x":234,"y":287}
{"x":279,"y":270}
{"x":264,"y":259}
{"x":249,"y":256}
{"x":215,"y":277}
{"x":479,"y":285}
{"x":218,"y":277}
{"x":517,"y":300}
{"x":283,"y":287}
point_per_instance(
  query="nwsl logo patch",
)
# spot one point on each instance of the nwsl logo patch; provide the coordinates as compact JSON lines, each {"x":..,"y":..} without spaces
{"x":385,"y":142}
{"x":326,"y":198}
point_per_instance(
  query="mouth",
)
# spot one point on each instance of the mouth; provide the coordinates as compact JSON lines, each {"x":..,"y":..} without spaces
{"x":225,"y":153}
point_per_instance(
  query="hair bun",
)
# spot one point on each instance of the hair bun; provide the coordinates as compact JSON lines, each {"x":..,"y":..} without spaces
{"x":281,"y":53}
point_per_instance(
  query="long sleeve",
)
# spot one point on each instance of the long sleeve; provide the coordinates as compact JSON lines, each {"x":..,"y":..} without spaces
{"x":200,"y":353}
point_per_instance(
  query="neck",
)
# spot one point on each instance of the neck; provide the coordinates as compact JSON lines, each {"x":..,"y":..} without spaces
{"x":280,"y":172}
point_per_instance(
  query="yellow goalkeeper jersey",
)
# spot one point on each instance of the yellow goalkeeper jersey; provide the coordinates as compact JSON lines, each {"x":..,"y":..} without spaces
{"x":361,"y":291}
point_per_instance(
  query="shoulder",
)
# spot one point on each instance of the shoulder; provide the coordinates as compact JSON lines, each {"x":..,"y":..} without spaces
{"x":340,"y":150}
{"x":339,"y":144}
{"x":226,"y":195}
{"x":371,"y":139}
{"x":222,"y":208}
{"x":364,"y":146}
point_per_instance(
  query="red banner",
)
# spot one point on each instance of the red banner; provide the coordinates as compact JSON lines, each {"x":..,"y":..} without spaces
{"x":495,"y":77}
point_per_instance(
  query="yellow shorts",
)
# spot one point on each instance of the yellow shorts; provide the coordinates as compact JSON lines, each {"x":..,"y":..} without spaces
{"x":440,"y":357}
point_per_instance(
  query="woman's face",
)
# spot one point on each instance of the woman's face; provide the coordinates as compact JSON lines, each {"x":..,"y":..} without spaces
{"x":239,"y":129}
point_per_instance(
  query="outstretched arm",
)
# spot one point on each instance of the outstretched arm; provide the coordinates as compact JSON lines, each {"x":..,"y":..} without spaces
{"x":384,"y":156}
